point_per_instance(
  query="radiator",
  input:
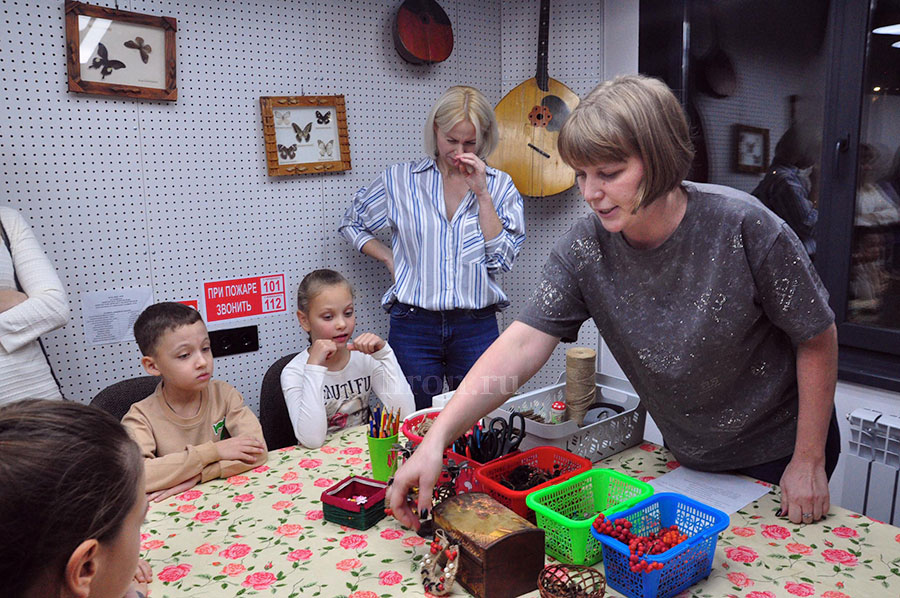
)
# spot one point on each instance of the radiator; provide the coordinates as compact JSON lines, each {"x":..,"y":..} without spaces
{"x":872,"y":466}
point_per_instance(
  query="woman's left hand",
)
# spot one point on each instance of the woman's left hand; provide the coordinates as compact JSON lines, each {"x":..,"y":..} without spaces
{"x":804,"y":491}
{"x":472,"y":167}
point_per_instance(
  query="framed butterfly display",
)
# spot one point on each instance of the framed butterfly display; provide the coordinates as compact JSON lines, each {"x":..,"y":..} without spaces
{"x":305,"y":134}
{"x":121,"y":53}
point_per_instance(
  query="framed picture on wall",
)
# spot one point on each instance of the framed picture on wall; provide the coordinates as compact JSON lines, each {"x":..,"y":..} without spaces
{"x":305,"y":134}
{"x":751,"y":149}
{"x":120,"y":53}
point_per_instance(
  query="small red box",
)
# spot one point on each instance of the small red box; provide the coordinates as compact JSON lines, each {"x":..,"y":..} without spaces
{"x":346,"y":494}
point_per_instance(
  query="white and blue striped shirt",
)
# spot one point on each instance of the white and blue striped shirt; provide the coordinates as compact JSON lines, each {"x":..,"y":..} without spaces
{"x":438,"y":265}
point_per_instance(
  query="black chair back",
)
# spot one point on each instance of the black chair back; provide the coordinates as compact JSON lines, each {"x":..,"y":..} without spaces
{"x":273,"y":413}
{"x":117,"y":398}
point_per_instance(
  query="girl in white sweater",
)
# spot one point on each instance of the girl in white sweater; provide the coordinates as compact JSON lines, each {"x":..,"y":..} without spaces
{"x":327,"y":387}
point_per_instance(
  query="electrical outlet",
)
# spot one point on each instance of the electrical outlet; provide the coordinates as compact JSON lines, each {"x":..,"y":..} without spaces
{"x":231,"y":341}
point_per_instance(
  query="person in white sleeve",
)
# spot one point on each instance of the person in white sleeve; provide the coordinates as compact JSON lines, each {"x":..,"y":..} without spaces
{"x":327,"y":387}
{"x":32,"y":302}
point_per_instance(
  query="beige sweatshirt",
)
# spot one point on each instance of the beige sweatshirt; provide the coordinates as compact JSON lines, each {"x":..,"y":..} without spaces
{"x":176,"y":449}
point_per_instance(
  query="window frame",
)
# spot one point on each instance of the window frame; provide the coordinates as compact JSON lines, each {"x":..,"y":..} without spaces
{"x":868,"y":354}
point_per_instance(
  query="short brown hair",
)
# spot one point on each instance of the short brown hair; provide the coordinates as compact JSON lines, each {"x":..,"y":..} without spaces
{"x":68,"y":473}
{"x":160,"y":318}
{"x":631,"y":115}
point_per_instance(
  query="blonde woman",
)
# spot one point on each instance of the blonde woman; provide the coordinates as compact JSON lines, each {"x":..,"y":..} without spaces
{"x":455,"y":224}
{"x":707,"y":300}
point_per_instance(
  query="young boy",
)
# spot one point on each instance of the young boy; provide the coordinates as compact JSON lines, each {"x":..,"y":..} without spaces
{"x":181,"y":428}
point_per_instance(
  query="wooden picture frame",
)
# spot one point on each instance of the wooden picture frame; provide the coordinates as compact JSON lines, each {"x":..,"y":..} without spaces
{"x":751,"y":149}
{"x":120,"y":53}
{"x":305,"y":134}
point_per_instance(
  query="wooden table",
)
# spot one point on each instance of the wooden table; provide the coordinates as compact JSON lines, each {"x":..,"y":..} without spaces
{"x":263,"y":534}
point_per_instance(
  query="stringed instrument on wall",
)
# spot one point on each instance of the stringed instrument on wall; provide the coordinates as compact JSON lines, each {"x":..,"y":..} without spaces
{"x":422,"y":32}
{"x":530,"y":117}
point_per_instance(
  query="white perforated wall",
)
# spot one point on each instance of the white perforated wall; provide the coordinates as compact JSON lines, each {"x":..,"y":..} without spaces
{"x":125,"y":193}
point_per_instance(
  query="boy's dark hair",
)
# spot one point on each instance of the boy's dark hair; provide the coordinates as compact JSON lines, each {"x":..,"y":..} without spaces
{"x":68,"y":473}
{"x":315,"y":280}
{"x":160,"y":318}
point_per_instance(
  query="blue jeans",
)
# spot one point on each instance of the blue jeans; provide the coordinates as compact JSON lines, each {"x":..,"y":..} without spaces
{"x":433,"y":346}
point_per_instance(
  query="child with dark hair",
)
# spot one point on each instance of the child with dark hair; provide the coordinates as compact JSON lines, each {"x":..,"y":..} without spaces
{"x":327,"y":387}
{"x":71,"y":503}
{"x":192,"y":428}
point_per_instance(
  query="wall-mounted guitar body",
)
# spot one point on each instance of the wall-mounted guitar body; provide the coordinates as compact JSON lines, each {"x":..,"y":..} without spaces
{"x":422,"y":32}
{"x":530,"y":117}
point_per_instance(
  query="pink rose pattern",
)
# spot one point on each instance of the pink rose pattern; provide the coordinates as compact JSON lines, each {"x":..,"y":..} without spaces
{"x":799,"y":589}
{"x":740,"y":580}
{"x":840,"y":557}
{"x":287,"y":488}
{"x":173,"y":572}
{"x":389,"y":578}
{"x":776,"y":532}
{"x":845,"y":532}
{"x":289,"y":530}
{"x":236,"y":551}
{"x":741,"y":554}
{"x":354,"y":541}
{"x":261,"y":580}
{"x":348,"y":564}
{"x":799,"y":549}
{"x":233,"y":569}
{"x":207,"y":516}
{"x":290,"y":488}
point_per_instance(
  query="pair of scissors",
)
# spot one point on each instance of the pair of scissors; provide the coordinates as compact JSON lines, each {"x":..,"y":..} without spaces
{"x":505,"y":435}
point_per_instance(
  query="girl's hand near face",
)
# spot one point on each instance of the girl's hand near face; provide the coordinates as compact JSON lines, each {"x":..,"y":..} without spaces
{"x":367,"y":343}
{"x":472,"y":167}
{"x":321,"y":350}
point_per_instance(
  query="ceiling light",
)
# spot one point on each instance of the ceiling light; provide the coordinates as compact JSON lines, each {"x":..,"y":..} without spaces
{"x":895,"y":45}
{"x":876,"y":89}
{"x":888,"y":30}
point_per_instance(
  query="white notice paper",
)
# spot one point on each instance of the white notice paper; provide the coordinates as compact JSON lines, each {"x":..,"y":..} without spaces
{"x":724,"y":491}
{"x":110,"y":315}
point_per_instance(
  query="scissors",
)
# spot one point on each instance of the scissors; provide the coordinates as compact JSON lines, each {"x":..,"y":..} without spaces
{"x":503,"y":436}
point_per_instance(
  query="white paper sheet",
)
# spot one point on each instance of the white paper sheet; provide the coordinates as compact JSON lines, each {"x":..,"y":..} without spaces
{"x":110,"y":315}
{"x":723,"y":491}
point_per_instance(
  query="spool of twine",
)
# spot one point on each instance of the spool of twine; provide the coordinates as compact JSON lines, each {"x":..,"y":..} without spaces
{"x":580,"y":382}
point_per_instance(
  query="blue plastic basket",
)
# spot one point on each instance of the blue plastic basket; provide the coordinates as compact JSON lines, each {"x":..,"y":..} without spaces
{"x":684,"y":565}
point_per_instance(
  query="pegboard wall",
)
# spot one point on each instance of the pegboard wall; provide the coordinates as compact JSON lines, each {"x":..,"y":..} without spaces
{"x":124,"y":193}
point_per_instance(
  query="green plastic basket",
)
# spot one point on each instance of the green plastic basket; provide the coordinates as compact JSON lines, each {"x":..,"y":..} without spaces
{"x":566,"y":511}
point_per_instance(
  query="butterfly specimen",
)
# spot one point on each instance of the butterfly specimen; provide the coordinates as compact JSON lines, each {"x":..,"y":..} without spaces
{"x":325,"y":148}
{"x":323,"y":119}
{"x":288,"y":152}
{"x":103,"y":62}
{"x":282,"y":118}
{"x":302,"y":134}
{"x":139,"y":45}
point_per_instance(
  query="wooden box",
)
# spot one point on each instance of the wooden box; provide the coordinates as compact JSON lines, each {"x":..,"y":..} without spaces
{"x":500,"y":553}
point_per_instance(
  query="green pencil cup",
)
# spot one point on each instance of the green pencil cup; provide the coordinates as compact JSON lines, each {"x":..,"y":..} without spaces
{"x":382,"y":457}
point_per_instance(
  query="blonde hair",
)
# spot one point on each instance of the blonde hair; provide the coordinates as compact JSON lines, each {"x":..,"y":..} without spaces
{"x":461,"y":103}
{"x":631,"y":115}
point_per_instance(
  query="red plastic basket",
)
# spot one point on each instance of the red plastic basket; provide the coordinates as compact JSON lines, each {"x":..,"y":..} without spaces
{"x":542,"y":457}
{"x":467,"y":480}
{"x":410,"y":424}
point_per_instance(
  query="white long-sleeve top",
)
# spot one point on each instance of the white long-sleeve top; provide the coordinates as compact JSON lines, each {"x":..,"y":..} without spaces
{"x":24,"y":372}
{"x":320,"y":401}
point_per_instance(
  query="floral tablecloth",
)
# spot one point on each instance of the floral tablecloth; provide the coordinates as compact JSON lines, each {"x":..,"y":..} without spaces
{"x":263,"y":533}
